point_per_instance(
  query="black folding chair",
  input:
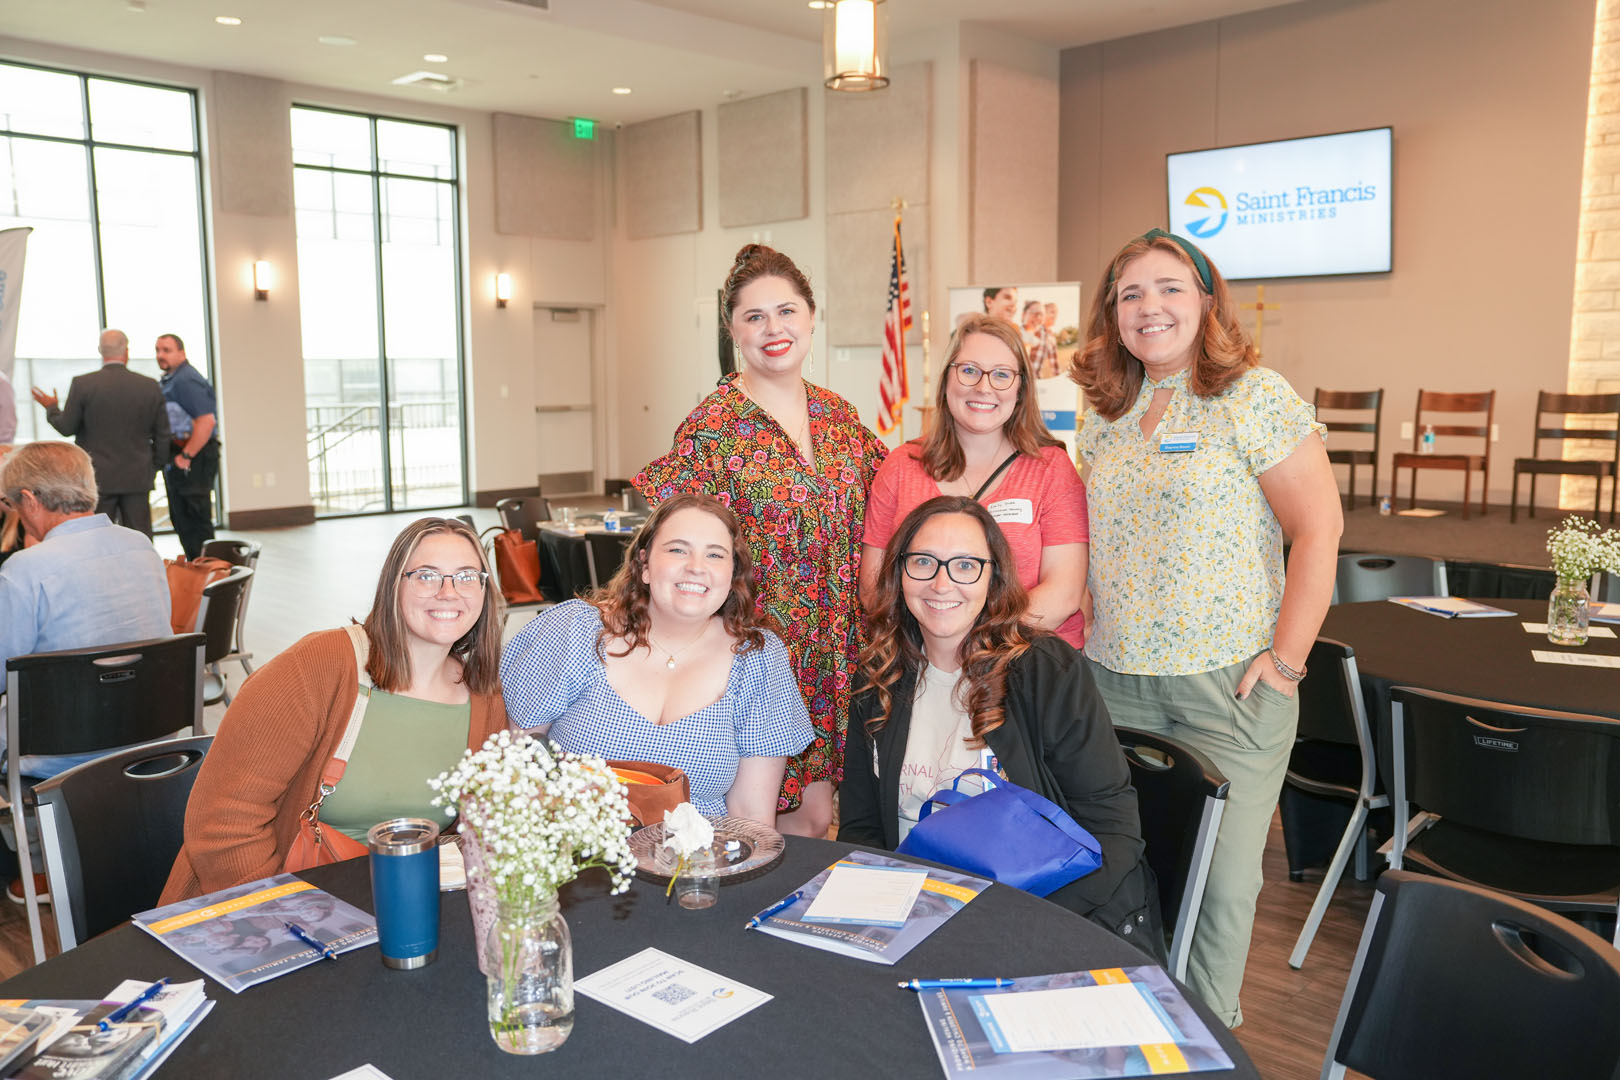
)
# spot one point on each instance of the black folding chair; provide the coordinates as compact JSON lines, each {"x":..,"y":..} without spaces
{"x":1364,"y":577}
{"x":1332,"y":758}
{"x":1523,"y":801}
{"x":1181,"y":796}
{"x":219,"y":618}
{"x":110,"y":830}
{"x":237,"y":553}
{"x":1452,"y":980}
{"x":84,"y":700}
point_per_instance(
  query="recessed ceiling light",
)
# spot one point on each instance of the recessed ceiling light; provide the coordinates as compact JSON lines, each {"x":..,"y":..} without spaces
{"x":335,"y":39}
{"x":819,"y":5}
{"x":436,"y":58}
{"x":621,"y":89}
{"x":227,"y":20}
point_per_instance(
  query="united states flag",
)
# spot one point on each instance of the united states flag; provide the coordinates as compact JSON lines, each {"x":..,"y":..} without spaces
{"x":893,"y":388}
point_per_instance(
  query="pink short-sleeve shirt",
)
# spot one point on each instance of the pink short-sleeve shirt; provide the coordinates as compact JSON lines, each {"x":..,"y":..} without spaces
{"x":1039,"y":503}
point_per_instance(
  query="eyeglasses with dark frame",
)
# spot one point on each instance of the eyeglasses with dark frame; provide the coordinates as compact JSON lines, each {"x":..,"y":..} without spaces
{"x":962,"y":569}
{"x":971,"y":374}
{"x":427,"y":582}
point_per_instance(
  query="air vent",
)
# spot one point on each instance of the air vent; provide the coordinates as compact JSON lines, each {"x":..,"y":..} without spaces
{"x":430,"y":80}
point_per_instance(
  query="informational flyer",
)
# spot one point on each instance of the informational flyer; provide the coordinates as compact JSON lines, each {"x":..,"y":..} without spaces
{"x":676,"y":997}
{"x":867,"y":895}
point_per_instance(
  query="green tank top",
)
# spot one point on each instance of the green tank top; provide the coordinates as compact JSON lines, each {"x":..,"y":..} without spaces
{"x":403,"y":742}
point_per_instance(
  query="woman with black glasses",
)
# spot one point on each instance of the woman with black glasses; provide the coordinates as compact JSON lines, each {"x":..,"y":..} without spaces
{"x":422,"y":671}
{"x":987,"y":442}
{"x":954,"y":678}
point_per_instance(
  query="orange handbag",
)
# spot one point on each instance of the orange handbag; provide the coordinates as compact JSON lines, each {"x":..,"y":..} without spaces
{"x":517,"y":566}
{"x":313,"y":845}
{"x":652,"y":788}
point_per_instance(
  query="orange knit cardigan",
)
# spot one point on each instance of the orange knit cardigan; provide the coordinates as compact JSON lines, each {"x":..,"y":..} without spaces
{"x":265,"y":764}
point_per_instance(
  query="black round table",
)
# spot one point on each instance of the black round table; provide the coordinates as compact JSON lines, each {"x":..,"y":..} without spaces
{"x":831,"y":1016}
{"x":1480,"y":658}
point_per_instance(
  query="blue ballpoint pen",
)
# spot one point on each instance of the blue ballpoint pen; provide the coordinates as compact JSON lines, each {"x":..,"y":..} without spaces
{"x":130,"y":1006}
{"x":954,"y":984}
{"x":310,"y":939}
{"x":775,"y":909}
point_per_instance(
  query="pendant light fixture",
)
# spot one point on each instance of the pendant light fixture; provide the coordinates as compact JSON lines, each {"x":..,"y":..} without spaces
{"x":855,"y":45}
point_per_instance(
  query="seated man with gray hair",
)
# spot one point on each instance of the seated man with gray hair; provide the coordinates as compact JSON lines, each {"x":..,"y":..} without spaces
{"x":82,"y":582}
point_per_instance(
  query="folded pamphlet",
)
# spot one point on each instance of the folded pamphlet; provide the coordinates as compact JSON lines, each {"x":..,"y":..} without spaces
{"x":238,"y":936}
{"x":1078,"y":1025}
{"x":943,"y":894}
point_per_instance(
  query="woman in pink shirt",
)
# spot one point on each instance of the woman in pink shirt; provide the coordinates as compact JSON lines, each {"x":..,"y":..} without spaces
{"x":987,"y":442}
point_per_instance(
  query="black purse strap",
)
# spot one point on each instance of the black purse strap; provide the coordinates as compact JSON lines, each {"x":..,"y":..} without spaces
{"x":984,"y":487}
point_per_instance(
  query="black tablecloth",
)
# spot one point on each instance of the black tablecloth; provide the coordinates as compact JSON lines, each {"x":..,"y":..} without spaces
{"x":1480,"y":658}
{"x":832,"y":1016}
{"x":564,"y":562}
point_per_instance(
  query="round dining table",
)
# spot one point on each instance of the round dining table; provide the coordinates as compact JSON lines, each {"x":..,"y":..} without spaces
{"x":1489,"y":658}
{"x":830,"y":1016}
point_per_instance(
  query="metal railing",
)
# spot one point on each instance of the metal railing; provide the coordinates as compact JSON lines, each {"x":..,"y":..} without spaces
{"x":345,"y":454}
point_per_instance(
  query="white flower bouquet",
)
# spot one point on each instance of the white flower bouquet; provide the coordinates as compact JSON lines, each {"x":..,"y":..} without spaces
{"x":1580,"y":548}
{"x":538,"y":817}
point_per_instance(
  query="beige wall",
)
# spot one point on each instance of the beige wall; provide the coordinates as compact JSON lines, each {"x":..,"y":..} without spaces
{"x":1488,"y":105}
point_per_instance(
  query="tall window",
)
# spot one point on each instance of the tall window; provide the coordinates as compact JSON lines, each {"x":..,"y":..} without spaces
{"x":378,"y":259}
{"x":108,"y":173}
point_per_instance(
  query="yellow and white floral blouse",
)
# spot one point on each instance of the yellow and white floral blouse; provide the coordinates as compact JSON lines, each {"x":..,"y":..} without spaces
{"x":1186,"y":554}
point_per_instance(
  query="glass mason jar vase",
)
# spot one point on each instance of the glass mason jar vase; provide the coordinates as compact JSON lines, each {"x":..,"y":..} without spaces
{"x":1569,"y":612}
{"x":529,"y":959}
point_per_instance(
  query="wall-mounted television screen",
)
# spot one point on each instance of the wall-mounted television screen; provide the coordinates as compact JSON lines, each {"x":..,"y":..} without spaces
{"x":1296,"y":208}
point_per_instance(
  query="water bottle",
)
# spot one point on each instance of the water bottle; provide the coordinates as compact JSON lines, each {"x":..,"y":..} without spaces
{"x":1427,"y":446}
{"x":610,"y":521}
{"x":1384,"y":507}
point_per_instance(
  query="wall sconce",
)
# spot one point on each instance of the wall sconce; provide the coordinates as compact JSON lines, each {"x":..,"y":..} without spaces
{"x":503,"y":289}
{"x":855,"y":45}
{"x":264,"y":278}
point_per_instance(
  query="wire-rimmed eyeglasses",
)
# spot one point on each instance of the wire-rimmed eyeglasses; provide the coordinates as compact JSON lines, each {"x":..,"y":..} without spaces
{"x":1000,"y":378}
{"x":962,"y":569}
{"x":427,"y":582}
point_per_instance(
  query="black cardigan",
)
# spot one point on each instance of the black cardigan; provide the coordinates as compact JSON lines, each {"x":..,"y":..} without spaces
{"x":1058,"y":741}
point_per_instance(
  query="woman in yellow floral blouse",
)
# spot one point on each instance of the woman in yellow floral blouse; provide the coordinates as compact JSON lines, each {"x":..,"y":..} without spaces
{"x":1201,"y":462}
{"x":794,"y":463}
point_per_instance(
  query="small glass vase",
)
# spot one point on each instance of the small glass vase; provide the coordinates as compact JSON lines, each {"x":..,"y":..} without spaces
{"x":696,"y":886}
{"x":530,"y":960}
{"x":1569,"y":612}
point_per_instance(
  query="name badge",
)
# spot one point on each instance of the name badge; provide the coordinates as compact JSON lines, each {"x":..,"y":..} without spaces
{"x":1017,"y":511}
{"x":1178,"y":442}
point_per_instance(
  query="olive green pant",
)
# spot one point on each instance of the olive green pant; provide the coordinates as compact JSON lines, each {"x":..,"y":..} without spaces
{"x":1249,"y":741}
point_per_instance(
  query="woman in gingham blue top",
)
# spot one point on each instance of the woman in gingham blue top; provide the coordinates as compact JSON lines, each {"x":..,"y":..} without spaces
{"x":668,"y":664}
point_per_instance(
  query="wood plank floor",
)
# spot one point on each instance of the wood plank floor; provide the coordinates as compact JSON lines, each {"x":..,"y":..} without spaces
{"x":319,"y":576}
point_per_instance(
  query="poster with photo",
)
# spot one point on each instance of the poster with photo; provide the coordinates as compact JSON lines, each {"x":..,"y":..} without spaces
{"x":1048,"y":315}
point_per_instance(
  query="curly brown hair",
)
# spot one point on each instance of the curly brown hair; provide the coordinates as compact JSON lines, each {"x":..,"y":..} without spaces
{"x":998,"y":636}
{"x":479,"y":649}
{"x":1112,"y":378}
{"x":941,"y":452}
{"x":755,"y":261}
{"x":623,"y":601}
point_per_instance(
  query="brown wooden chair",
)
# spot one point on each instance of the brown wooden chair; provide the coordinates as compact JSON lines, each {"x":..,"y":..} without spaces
{"x":1361,"y":401}
{"x":1572,"y":405}
{"x":1431,"y":401}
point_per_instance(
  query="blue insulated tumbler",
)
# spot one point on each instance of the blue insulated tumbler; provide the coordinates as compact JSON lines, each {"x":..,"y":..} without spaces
{"x":405,"y":890}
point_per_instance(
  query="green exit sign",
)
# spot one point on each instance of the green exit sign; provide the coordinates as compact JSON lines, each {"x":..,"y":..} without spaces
{"x":583,"y":128}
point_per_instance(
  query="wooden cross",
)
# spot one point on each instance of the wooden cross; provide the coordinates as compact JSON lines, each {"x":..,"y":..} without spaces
{"x":1260,"y":307}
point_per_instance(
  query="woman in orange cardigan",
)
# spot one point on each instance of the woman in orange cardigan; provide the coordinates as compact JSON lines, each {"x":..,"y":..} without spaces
{"x":433,"y":661}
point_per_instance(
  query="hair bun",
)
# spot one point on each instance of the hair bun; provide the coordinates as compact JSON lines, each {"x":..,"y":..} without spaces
{"x":746,"y":253}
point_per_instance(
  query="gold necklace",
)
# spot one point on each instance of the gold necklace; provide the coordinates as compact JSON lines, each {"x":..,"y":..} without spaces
{"x":669,"y":657}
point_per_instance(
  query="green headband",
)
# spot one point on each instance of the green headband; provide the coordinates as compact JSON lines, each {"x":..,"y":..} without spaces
{"x":1200,"y":263}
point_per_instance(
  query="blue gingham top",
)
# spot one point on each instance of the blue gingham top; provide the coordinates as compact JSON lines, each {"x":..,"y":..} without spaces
{"x":551,"y":675}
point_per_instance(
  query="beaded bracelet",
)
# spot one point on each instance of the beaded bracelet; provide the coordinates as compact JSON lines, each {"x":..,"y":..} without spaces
{"x":1283,"y":669}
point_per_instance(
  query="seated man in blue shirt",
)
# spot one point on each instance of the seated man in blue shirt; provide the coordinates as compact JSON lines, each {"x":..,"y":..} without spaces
{"x":82,"y":582}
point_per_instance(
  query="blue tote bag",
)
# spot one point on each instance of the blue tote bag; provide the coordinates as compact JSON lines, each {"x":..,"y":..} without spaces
{"x":1007,"y":833}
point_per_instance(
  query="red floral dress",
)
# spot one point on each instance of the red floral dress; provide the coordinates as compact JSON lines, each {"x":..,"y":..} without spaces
{"x":804,"y":525}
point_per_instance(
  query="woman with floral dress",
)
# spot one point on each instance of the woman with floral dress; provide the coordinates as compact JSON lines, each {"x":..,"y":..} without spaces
{"x":794,"y":463}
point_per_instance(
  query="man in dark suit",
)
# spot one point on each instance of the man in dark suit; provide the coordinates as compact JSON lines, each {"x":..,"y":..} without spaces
{"x":119,"y":418}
